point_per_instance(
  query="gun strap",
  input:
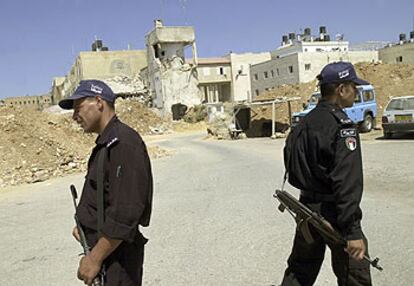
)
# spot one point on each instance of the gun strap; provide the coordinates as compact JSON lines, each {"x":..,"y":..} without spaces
{"x":100,"y":188}
{"x":284,"y":180}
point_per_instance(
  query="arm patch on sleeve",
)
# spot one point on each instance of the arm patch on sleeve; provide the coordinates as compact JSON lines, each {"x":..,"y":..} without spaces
{"x":349,"y":132}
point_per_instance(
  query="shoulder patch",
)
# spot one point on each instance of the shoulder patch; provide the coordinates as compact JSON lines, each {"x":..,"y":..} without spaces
{"x":346,"y":121}
{"x":349,"y":132}
{"x":112,"y":142}
{"x":351,"y":143}
{"x":341,"y":117}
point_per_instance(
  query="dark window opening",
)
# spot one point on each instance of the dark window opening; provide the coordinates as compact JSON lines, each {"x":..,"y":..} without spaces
{"x":156,"y":51}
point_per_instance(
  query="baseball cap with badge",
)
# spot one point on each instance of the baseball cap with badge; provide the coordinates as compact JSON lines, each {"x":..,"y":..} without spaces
{"x":89,"y":88}
{"x":339,"y":72}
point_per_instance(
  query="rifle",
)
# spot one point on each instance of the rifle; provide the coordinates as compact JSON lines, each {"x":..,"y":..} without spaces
{"x":304,"y":216}
{"x":98,"y":280}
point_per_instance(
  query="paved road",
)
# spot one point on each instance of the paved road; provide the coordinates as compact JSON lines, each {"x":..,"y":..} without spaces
{"x":214,"y":220}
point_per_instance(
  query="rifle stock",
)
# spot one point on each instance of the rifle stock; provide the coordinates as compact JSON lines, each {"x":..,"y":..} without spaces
{"x":305,"y":216}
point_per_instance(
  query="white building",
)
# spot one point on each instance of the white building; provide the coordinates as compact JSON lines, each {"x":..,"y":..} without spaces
{"x":240,"y":68}
{"x":300,"y":59}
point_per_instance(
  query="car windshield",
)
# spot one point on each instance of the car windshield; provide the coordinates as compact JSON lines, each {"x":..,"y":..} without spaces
{"x":401,"y":104}
{"x":395,"y":104}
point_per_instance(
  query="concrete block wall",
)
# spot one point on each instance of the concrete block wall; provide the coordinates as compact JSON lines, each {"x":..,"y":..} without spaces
{"x":395,"y":54}
{"x":279,"y":71}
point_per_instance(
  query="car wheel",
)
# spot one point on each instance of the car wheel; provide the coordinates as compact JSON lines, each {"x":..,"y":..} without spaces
{"x":367,"y":124}
{"x":387,"y":135}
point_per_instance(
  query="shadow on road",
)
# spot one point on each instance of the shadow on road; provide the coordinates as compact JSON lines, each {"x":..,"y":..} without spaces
{"x":397,"y":136}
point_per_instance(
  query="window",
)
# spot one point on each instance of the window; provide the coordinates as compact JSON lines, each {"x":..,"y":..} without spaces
{"x":307,"y":67}
{"x":410,"y":103}
{"x":395,"y":104}
{"x":290,"y":69}
{"x":256,"y":77}
{"x":358,"y":97}
{"x":221,"y":70}
{"x":368,"y":95}
{"x":272,"y":72}
{"x":399,"y":59}
{"x":156,"y":51}
{"x":277,"y":71}
{"x":266,"y":74}
{"x":257,"y":92}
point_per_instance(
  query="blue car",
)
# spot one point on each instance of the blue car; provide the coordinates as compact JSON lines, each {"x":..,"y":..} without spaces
{"x":363,"y":112}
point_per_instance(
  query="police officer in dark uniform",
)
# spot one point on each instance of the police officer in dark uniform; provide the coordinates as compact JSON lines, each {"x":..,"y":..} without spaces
{"x":125,"y":171}
{"x":325,"y":164}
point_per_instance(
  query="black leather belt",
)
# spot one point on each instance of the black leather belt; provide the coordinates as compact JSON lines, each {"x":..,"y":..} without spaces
{"x":317,"y":197}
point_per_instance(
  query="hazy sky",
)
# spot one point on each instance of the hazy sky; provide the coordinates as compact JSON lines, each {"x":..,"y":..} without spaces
{"x":40,"y":39}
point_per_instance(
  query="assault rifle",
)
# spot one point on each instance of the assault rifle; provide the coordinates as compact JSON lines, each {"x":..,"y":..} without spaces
{"x":304,"y":216}
{"x":98,"y":280}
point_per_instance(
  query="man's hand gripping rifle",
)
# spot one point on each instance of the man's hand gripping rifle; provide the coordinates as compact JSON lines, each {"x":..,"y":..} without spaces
{"x":304,"y":216}
{"x":99,"y":280}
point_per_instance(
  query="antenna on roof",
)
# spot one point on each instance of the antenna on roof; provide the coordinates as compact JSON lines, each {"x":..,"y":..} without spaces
{"x":161,"y":9}
{"x":184,"y":7}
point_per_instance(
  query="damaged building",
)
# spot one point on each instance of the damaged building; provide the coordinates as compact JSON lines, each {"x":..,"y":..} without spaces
{"x":119,"y":69}
{"x":170,"y":79}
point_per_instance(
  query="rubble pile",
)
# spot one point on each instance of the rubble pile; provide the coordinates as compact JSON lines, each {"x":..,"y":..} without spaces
{"x":221,"y":123}
{"x":143,"y":119}
{"x":388,"y":80}
{"x":129,"y":87}
{"x":36,"y":145}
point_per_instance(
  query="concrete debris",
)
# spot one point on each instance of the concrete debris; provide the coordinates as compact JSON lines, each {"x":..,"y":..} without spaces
{"x":221,"y":124}
{"x":126,"y":85}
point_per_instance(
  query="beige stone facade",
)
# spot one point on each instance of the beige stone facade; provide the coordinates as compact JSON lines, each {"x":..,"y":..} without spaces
{"x":33,"y":102}
{"x":100,"y":65}
{"x":398,"y":54}
{"x":214,"y":79}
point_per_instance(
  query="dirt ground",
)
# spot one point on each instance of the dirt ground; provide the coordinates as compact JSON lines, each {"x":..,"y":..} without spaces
{"x":37,"y":145}
{"x":388,"y":80}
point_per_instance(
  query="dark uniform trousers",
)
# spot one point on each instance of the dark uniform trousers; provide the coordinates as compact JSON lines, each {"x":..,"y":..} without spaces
{"x":124,"y":266}
{"x":306,"y":258}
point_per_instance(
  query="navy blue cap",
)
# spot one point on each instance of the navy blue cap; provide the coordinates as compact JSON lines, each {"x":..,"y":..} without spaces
{"x":339,"y":72}
{"x":89,"y":88}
